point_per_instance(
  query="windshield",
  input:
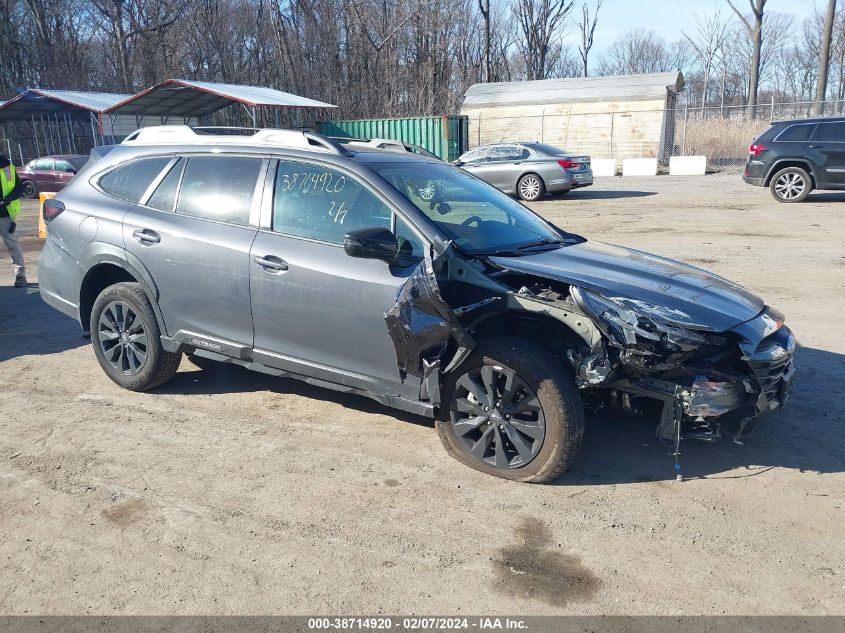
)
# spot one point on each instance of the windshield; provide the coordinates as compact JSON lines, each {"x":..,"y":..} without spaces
{"x":475,"y":215}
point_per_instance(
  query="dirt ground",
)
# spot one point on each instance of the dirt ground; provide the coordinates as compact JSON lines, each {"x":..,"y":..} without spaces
{"x":230,"y":492}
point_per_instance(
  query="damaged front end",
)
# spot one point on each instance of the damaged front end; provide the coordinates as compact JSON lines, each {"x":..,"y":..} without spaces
{"x":630,"y":354}
{"x":702,"y":379}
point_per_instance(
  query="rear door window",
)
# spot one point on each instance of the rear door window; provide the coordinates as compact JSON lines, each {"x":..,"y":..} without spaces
{"x":831,"y":132}
{"x":129,"y":182}
{"x":507,"y":153}
{"x":164,"y":197}
{"x":323,"y":204}
{"x":219,"y":188}
{"x":43,"y":164}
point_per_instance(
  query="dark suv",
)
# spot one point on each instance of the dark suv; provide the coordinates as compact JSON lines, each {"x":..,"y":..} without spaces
{"x":794,"y":157}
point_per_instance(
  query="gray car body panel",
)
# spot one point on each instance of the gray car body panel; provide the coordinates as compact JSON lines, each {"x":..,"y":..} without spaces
{"x":336,"y":321}
{"x":713,"y":303}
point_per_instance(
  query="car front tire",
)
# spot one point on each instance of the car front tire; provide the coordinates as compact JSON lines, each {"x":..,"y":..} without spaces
{"x":530,"y":187}
{"x":29,"y":190}
{"x":791,"y":184}
{"x":512,"y":412}
{"x":126,"y":339}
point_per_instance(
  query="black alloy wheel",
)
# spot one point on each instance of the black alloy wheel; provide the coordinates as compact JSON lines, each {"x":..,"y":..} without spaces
{"x":497,"y":417}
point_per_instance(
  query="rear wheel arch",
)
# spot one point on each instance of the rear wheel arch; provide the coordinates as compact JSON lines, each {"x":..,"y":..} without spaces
{"x":103,"y":274}
{"x":783,"y":164}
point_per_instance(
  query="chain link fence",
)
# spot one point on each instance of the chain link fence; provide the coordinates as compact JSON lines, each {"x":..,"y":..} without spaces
{"x":721,"y":133}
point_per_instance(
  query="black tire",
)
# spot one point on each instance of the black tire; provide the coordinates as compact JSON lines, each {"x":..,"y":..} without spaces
{"x":119,"y":354}
{"x":791,"y":184}
{"x":560,"y":403}
{"x":530,"y":187}
{"x":28,"y":189}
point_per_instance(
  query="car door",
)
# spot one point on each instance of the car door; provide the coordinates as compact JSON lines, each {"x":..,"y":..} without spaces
{"x":317,"y":311}
{"x":193,"y":232}
{"x":827,"y":150}
{"x":63,"y":174}
{"x":475,"y":161}
{"x":44,"y":179}
{"x":503,"y":167}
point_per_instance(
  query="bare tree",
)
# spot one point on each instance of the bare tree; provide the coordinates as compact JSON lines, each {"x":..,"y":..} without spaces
{"x":641,"y":51}
{"x":587,"y":24}
{"x":708,"y":41}
{"x":754,"y":28}
{"x":824,"y":54}
{"x":484,"y":7}
{"x":538,"y":22}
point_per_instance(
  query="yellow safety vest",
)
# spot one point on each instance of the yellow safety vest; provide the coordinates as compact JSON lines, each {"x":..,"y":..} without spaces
{"x":8,"y":176}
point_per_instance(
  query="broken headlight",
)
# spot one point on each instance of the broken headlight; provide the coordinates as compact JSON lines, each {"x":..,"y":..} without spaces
{"x":637,"y":323}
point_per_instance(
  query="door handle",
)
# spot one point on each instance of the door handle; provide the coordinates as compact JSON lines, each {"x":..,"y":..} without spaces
{"x":271,"y":262}
{"x":146,"y":236}
{"x":816,"y":146}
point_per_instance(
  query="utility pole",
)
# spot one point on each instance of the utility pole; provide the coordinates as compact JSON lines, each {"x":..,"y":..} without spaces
{"x":824,"y":55}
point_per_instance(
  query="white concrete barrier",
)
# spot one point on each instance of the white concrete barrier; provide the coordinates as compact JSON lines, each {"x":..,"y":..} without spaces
{"x":687,"y":165}
{"x":639,"y":167}
{"x":603,"y":166}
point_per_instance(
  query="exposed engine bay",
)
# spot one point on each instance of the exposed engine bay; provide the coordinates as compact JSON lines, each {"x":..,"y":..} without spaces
{"x":628,"y":353}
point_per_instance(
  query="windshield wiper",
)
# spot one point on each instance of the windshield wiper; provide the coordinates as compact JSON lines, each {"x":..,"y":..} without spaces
{"x":522,"y":249}
{"x":541,"y":242}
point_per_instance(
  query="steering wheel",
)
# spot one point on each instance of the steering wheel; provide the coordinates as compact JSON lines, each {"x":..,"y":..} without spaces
{"x":470,"y":220}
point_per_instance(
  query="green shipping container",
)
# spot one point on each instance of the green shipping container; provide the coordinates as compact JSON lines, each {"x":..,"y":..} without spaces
{"x":443,"y":136}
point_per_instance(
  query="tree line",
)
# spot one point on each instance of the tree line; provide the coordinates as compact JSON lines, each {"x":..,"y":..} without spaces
{"x":410,"y":57}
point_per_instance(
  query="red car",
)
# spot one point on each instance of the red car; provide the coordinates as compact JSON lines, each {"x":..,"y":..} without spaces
{"x":49,"y":173}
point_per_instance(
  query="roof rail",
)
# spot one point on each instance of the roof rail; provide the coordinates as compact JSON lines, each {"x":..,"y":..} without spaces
{"x":186,"y":135}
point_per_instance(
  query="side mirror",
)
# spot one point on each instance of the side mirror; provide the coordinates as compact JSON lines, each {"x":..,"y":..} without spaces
{"x":374,"y":242}
{"x":457,"y":163}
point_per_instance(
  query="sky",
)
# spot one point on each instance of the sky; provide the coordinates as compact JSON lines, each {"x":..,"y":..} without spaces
{"x":670,"y":17}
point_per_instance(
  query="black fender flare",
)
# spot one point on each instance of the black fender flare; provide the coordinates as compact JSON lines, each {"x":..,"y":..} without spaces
{"x":114,"y":256}
{"x":778,"y":165}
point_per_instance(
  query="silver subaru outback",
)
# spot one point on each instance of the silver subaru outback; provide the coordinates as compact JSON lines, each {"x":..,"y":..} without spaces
{"x":290,"y":254}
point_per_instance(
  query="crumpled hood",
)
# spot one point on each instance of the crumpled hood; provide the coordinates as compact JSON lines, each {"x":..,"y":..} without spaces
{"x":712,"y":302}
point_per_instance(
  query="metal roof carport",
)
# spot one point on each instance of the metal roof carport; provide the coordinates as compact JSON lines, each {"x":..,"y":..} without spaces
{"x":53,"y":113}
{"x":184,"y":98}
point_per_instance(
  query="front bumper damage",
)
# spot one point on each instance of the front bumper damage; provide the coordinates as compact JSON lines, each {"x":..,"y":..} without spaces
{"x":748,"y":374}
{"x":700,"y":381}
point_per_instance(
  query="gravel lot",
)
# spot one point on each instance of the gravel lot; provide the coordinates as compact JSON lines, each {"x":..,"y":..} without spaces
{"x":230,"y":492}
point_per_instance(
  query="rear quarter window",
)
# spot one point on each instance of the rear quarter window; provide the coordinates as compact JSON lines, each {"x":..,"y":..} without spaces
{"x":797,"y":133}
{"x":129,"y":182}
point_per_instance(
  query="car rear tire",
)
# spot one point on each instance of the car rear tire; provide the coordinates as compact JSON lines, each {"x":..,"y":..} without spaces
{"x":791,"y":184}
{"x":29,"y":190}
{"x":532,"y":426}
{"x":126,"y":339}
{"x":531,"y":187}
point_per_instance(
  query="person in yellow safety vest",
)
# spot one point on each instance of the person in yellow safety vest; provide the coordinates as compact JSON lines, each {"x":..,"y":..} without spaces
{"x":10,"y":207}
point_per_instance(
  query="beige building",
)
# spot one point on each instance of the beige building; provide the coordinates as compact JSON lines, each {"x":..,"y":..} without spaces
{"x":629,"y":116}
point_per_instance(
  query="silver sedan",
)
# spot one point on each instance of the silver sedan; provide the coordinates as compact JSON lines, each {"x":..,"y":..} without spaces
{"x":529,"y":170}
